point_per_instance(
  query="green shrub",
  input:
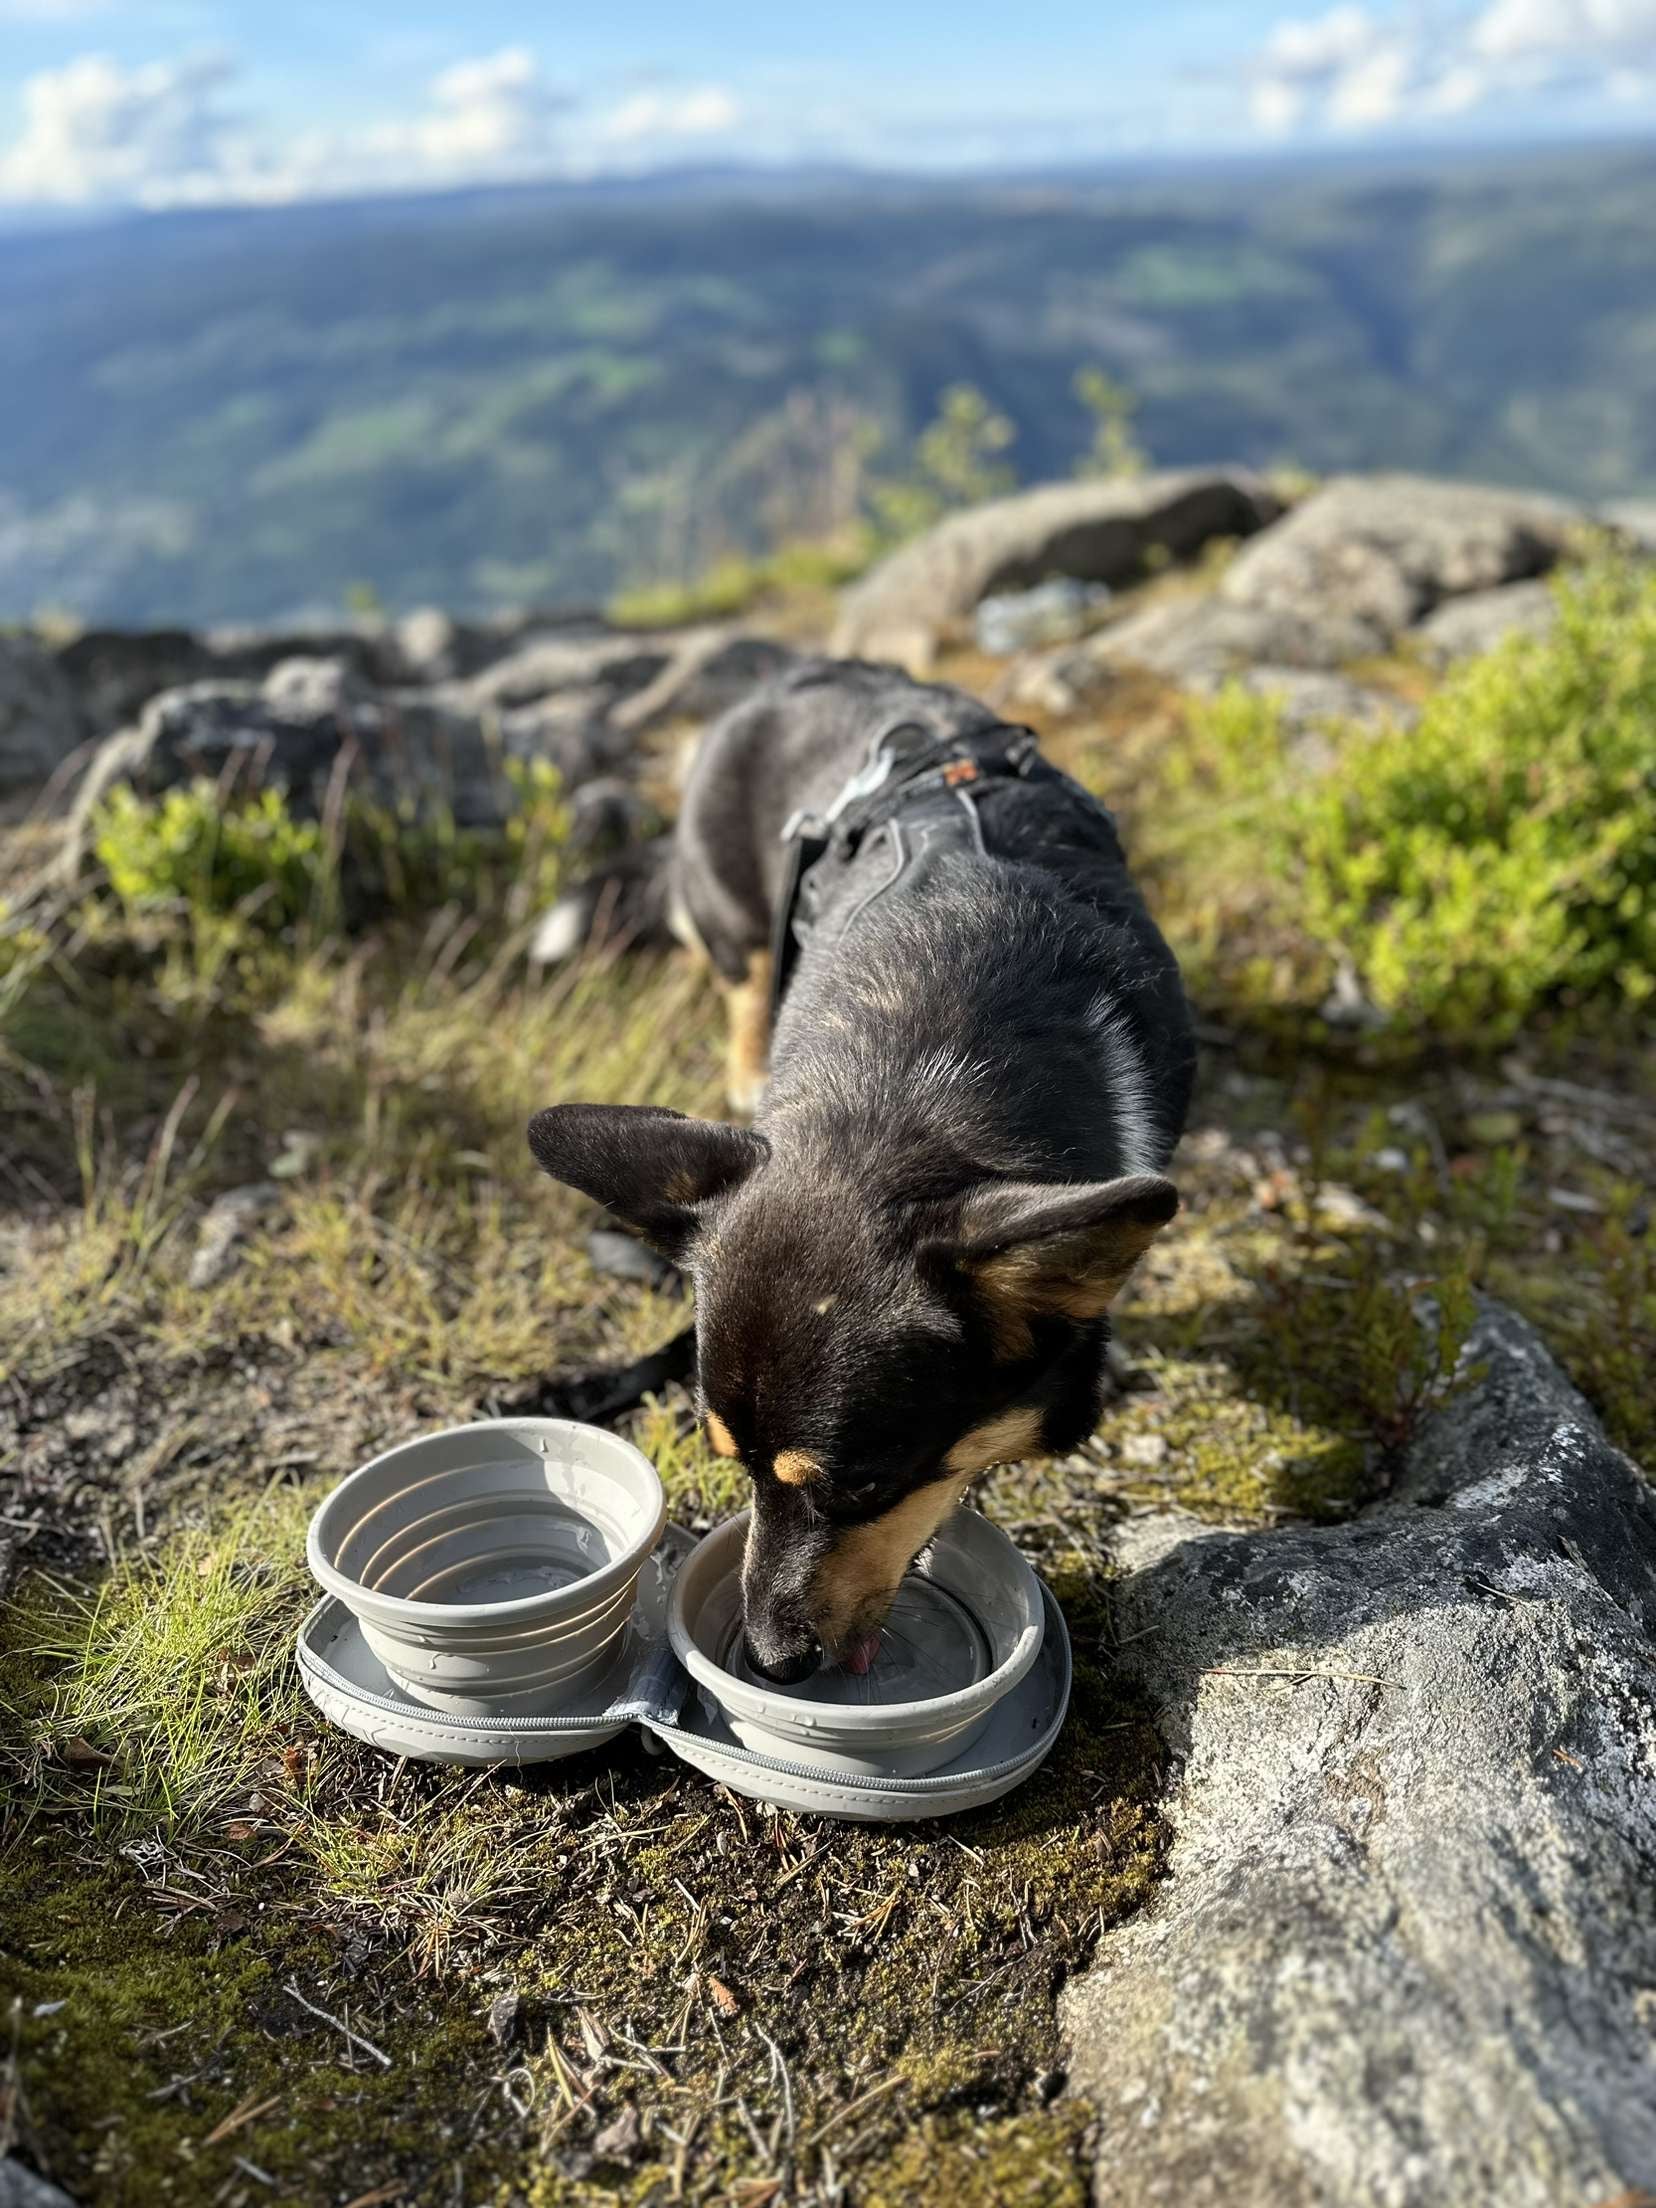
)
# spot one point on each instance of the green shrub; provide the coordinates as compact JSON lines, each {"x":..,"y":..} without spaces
{"x":1503,"y":851}
{"x":1498,"y":856}
{"x":239,"y":868}
{"x":210,"y":854}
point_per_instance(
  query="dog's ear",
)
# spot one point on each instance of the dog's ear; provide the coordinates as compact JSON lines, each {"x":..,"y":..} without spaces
{"x":1032,"y":1249}
{"x":651,"y":1168}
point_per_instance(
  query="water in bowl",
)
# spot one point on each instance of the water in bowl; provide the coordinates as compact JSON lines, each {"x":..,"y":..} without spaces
{"x":931,"y":1645}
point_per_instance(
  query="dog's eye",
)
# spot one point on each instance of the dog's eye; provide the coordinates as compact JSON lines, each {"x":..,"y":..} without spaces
{"x":851,"y":1504}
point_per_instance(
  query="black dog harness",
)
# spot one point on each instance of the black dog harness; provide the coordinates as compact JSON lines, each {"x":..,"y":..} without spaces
{"x":918,"y":795}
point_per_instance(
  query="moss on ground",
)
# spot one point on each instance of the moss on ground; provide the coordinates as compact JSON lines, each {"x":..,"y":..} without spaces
{"x":160,"y":2058}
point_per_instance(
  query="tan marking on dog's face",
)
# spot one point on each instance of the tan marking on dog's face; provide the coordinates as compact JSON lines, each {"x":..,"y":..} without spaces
{"x":1002,"y":1440}
{"x":794,"y":1467}
{"x":681,"y":1187}
{"x":720,"y":1435}
{"x":855,"y":1582}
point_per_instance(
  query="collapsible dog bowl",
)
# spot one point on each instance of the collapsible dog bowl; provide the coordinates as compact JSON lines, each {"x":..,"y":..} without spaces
{"x":963,"y":1703}
{"x":492,"y":1568}
{"x":966,"y":1626}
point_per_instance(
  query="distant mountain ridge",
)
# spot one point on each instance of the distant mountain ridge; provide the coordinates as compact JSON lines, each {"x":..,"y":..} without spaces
{"x":539,"y":395}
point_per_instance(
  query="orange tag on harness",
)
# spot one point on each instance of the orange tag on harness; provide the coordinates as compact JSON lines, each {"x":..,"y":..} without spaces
{"x":958,"y":771}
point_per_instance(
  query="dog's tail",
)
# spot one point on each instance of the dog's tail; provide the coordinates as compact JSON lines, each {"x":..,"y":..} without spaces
{"x":627,"y":901}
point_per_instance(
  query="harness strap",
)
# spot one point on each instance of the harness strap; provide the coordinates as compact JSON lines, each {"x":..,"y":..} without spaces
{"x":876,"y":799}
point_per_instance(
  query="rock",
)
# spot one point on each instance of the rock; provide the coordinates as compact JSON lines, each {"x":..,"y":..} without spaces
{"x":21,"y":2188}
{"x":429,"y":641}
{"x":1405,"y":1950}
{"x":621,"y":2138}
{"x":1308,"y":700}
{"x":1461,"y":628}
{"x":706,"y":678}
{"x":433,"y":646}
{"x":40,"y":722}
{"x":620,"y":1256}
{"x":613,"y":664}
{"x":1054,"y":612}
{"x":1635,"y":519}
{"x":638,"y":677}
{"x":503,"y":2016}
{"x":1097,"y":532}
{"x":224,"y":1227}
{"x":1385,"y":549}
{"x":1201,"y":642}
{"x":399,"y":747}
{"x":309,"y":688}
{"x":116,"y":672}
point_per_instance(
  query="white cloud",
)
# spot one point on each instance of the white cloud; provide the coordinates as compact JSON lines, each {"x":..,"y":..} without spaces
{"x":1375,"y":88}
{"x":705,"y":111}
{"x":1508,"y":29}
{"x":96,"y":133}
{"x":1353,"y":69}
{"x":494,"y":116}
{"x":1346,"y":69}
{"x":1322,"y":46}
{"x":93,"y":131}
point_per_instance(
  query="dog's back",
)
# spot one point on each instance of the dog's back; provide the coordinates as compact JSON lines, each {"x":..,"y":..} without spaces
{"x":790,"y":747}
{"x":1028,"y":948}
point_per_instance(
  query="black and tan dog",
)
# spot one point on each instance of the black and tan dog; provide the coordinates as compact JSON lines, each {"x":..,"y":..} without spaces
{"x":980,"y":1064}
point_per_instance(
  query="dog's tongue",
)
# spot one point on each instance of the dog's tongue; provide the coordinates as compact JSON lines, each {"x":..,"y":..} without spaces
{"x":861,"y":1653}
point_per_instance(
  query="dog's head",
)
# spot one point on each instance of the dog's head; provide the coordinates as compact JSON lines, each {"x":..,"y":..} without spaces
{"x":863,"y":1353}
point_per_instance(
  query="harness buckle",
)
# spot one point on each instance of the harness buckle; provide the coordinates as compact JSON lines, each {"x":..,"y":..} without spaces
{"x":863,"y":783}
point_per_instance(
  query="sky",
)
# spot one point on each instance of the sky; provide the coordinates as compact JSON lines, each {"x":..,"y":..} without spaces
{"x":119,"y":104}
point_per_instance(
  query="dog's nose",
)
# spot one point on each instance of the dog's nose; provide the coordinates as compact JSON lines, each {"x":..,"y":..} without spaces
{"x":785,"y":1670}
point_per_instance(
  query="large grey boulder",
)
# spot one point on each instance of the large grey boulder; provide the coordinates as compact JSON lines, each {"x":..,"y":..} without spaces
{"x":1199,"y":642}
{"x":308,"y":722}
{"x":1098,"y":532}
{"x":636,"y":678}
{"x":577,"y":701}
{"x":114,"y":673}
{"x":1461,"y":628}
{"x":1383,"y":550}
{"x":21,"y":2188}
{"x":40,"y":722}
{"x":1406,"y":1950}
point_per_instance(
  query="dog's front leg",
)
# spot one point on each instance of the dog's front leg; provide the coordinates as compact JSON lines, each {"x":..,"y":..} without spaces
{"x":747,"y":1055}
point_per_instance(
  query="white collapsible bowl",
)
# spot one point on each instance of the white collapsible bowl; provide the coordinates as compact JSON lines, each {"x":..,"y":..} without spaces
{"x":966,"y":1627}
{"x":493,"y":1566}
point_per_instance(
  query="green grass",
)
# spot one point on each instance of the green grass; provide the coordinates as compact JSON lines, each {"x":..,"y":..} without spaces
{"x":163,"y":1683}
{"x":738,"y":584}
